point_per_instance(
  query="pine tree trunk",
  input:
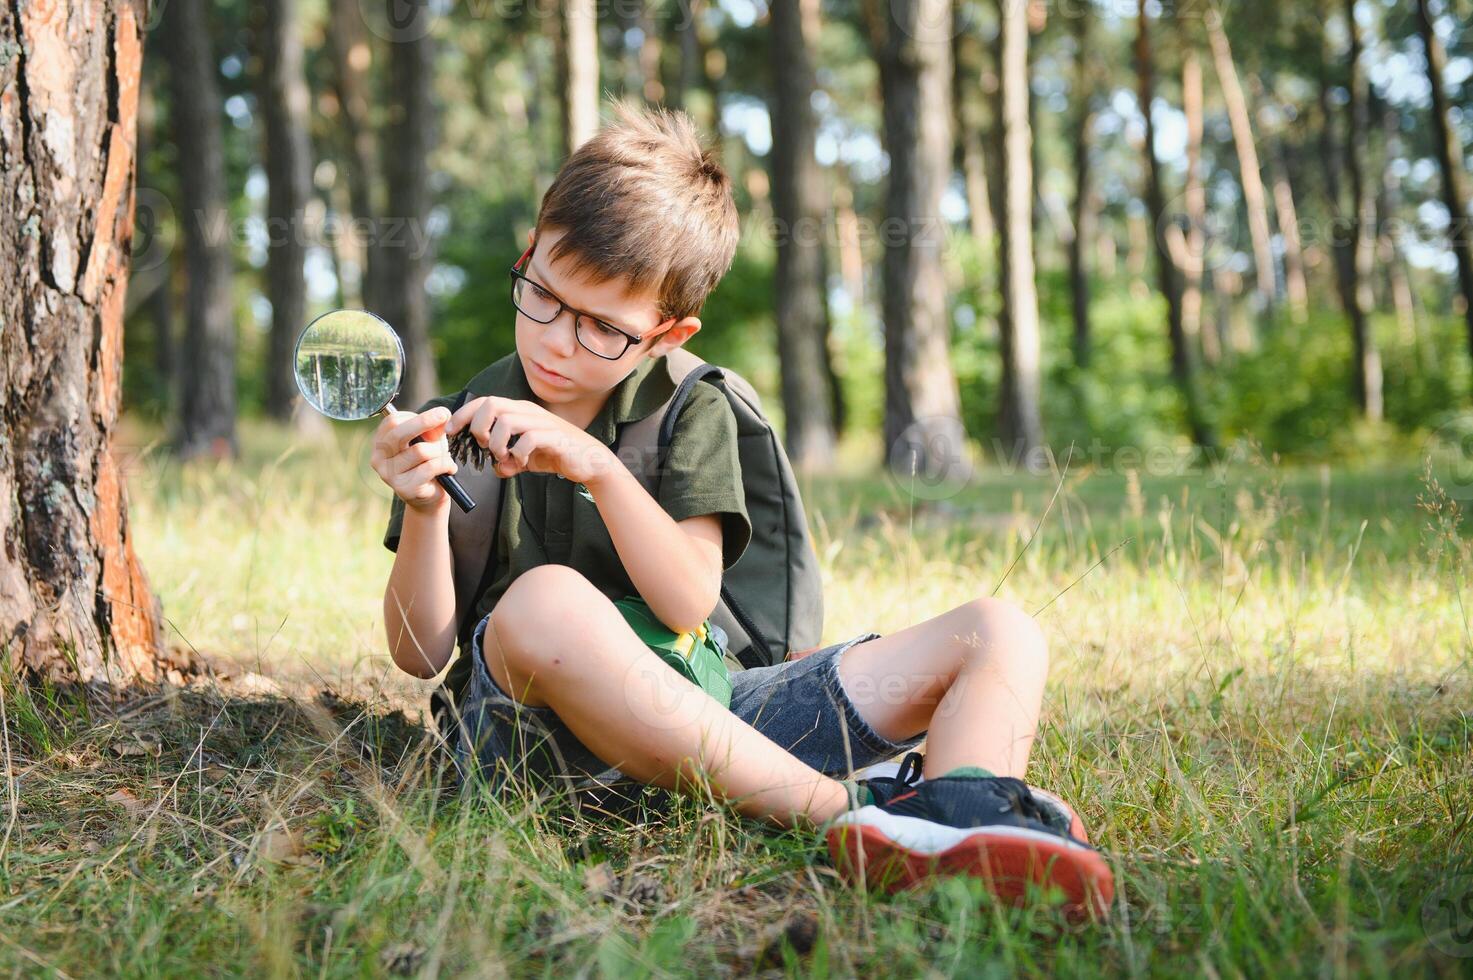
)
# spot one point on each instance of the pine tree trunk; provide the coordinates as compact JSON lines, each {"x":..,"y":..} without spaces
{"x":1253,"y":197}
{"x":207,"y":404}
{"x":403,"y":235}
{"x":966,"y":71}
{"x":74,"y":601}
{"x":579,"y":70}
{"x":1083,"y":215}
{"x":1195,"y":198}
{"x":1288,"y":218}
{"x":1020,"y":425}
{"x":1388,"y":249}
{"x":1183,"y":370}
{"x":922,"y":406}
{"x":288,"y":155}
{"x":351,"y":57}
{"x":1450,"y":158}
{"x":798,"y":209}
{"x":1367,"y":365}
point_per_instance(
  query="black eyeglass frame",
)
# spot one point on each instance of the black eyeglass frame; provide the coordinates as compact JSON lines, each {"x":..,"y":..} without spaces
{"x":630,"y":340}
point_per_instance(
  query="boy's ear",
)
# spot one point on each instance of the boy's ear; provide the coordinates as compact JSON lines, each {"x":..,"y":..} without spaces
{"x":675,"y":335}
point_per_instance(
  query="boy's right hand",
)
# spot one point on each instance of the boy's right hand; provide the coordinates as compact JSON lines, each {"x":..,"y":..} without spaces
{"x":409,"y":468}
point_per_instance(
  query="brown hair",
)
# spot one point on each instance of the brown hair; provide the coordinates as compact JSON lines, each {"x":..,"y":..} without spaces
{"x":643,"y":200}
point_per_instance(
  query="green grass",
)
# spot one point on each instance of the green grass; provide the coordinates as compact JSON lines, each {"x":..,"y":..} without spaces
{"x":1259,"y":702}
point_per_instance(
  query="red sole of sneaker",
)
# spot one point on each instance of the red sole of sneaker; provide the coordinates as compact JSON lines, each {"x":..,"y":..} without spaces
{"x":1007,"y":864}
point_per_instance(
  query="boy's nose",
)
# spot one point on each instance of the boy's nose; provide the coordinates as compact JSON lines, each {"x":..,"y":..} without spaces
{"x":559,"y":335}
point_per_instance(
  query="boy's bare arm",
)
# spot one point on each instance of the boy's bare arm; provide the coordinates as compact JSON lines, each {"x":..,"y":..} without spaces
{"x":419,"y":601}
{"x":675,"y":565}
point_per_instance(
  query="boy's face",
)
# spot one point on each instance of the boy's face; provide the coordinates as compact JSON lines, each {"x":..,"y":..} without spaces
{"x":558,"y":368}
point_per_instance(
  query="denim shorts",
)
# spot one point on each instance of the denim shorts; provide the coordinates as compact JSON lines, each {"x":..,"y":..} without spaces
{"x":799,"y":704}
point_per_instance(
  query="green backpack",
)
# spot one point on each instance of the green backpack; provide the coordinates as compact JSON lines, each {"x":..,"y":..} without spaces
{"x":771,"y":599}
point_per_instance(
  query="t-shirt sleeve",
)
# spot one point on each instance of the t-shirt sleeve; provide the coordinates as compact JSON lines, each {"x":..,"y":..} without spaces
{"x":396,"y":506}
{"x":703,"y":471}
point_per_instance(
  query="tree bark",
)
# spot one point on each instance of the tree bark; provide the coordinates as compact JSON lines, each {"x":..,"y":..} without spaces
{"x":1083,"y":214}
{"x":1020,"y":424}
{"x":352,"y":56}
{"x":1288,"y":219}
{"x":1367,"y":366}
{"x":1450,"y":159}
{"x":1388,"y":249}
{"x":75,"y":603}
{"x":912,"y":46}
{"x":967,"y":68}
{"x":798,"y":211}
{"x":1183,"y":370}
{"x":1253,"y":197}
{"x":579,"y":70}
{"x":1195,"y":198}
{"x":206,"y":420}
{"x":403,"y":233}
{"x":288,"y":156}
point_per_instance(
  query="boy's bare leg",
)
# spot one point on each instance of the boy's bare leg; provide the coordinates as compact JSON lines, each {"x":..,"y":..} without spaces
{"x":972,"y":677}
{"x":554,"y":639}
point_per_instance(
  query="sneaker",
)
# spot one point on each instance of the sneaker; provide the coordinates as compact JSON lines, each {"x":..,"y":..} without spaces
{"x":907,"y":772}
{"x":968,"y":822}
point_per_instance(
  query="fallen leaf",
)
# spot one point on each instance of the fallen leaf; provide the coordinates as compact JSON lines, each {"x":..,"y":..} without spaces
{"x":127,"y":801}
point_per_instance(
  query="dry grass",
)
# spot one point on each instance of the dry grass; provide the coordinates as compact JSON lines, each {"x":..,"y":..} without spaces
{"x":1259,"y":701}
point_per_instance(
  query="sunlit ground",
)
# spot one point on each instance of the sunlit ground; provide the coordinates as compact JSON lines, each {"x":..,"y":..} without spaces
{"x":1259,"y":701}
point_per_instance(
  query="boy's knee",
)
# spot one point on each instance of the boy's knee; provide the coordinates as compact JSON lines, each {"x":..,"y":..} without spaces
{"x":536,"y":605}
{"x":1009,"y":631}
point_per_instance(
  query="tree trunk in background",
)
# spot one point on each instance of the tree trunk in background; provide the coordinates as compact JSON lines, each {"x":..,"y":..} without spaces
{"x":206,"y":419}
{"x":74,"y":601}
{"x":922,"y":406}
{"x":1182,"y":368}
{"x":1194,"y":242}
{"x":798,"y":209}
{"x":403,"y":233}
{"x":1450,"y":159}
{"x":1020,"y":425}
{"x":1084,"y":115}
{"x":285,"y":104}
{"x":846,"y":226}
{"x":1253,"y":196}
{"x":151,"y":255}
{"x":351,"y":58}
{"x":1388,"y":249}
{"x":1288,"y":217}
{"x":1367,"y":366}
{"x":579,"y":71}
{"x":967,"y":67}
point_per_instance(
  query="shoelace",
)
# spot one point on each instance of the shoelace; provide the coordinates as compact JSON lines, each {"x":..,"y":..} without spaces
{"x":910,"y":769}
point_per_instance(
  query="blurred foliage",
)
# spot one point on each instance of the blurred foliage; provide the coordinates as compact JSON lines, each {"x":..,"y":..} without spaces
{"x":1281,"y":385}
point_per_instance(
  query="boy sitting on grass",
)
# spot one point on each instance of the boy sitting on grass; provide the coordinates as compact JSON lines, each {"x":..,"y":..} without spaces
{"x":632,"y":236}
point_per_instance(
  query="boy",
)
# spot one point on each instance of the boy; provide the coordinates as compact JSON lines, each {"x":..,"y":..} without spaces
{"x":632,"y":236}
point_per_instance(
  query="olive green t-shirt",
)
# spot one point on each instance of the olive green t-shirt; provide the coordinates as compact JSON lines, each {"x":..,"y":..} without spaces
{"x":546,"y":519}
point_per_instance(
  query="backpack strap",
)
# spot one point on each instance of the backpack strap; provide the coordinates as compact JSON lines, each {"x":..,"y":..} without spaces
{"x":644,"y":443}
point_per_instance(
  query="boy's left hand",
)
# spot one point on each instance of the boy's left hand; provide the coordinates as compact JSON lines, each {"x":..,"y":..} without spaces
{"x":544,"y":442}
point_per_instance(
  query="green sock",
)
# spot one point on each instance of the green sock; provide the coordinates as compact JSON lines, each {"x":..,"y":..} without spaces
{"x":968,"y":772}
{"x":859,"y":794}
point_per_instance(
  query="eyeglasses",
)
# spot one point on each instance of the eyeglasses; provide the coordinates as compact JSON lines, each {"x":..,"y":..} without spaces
{"x":540,"y":304}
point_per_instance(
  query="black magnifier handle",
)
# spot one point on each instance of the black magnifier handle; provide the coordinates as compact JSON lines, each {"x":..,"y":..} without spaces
{"x":447,"y":481}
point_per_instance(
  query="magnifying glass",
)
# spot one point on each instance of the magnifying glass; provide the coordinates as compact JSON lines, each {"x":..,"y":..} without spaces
{"x":349,"y":365}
